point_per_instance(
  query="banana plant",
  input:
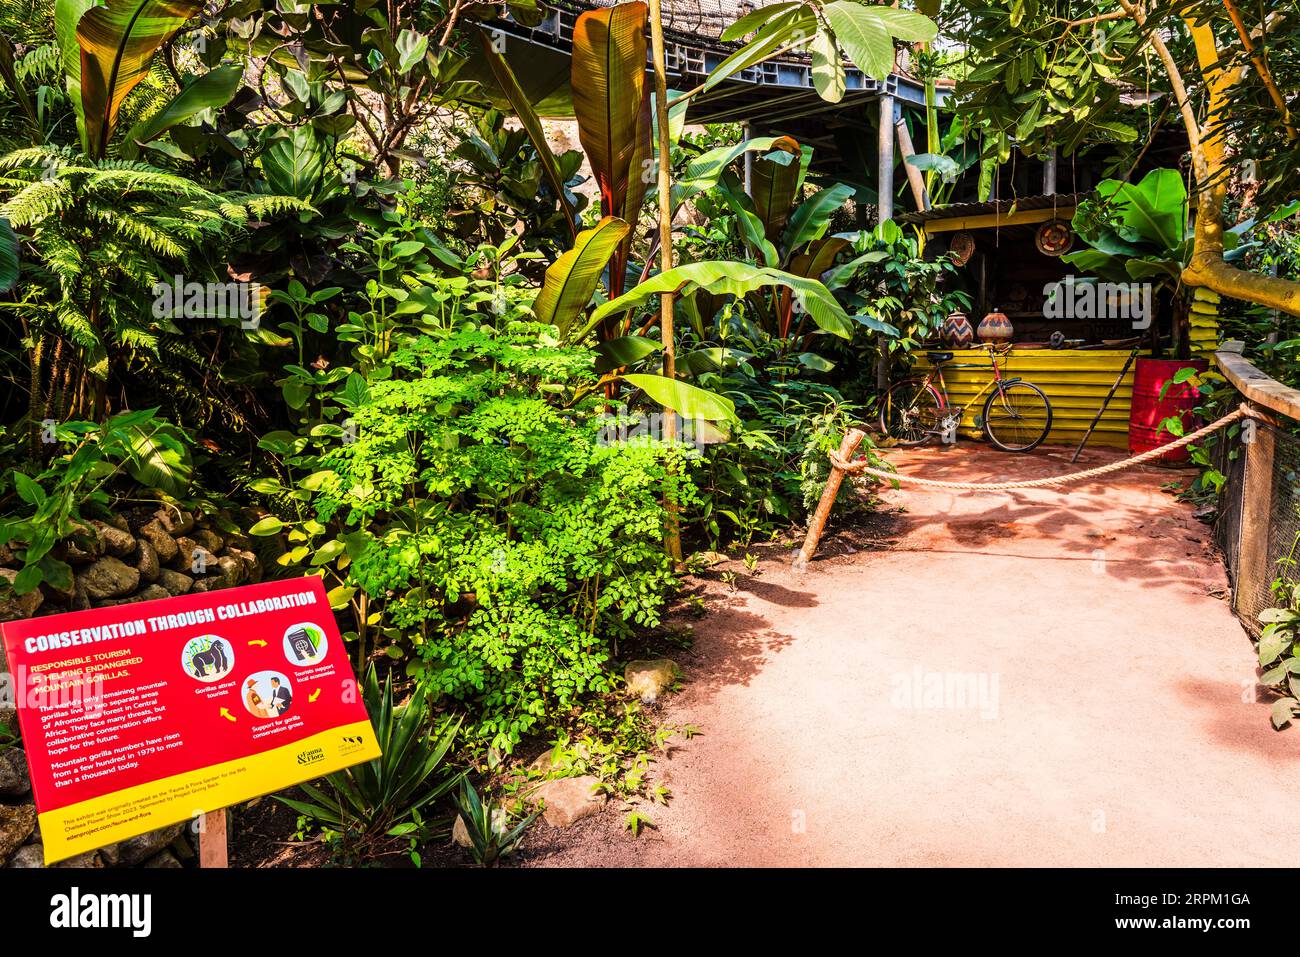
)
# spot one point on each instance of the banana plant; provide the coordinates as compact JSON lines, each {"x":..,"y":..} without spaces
{"x":612,"y":105}
{"x":117,"y":43}
{"x":571,"y":281}
{"x":781,"y":232}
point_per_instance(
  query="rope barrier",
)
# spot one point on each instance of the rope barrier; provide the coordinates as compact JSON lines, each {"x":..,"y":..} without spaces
{"x":860,"y":466}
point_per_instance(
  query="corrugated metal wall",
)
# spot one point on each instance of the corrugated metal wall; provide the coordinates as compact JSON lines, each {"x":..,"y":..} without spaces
{"x":1075,"y":380}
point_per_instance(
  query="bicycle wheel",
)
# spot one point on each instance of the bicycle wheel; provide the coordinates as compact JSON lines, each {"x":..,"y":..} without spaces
{"x":909,"y":412}
{"x":1017,"y":417}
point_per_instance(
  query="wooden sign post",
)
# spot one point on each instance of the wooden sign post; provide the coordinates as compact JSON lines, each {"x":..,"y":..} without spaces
{"x":212,"y":840}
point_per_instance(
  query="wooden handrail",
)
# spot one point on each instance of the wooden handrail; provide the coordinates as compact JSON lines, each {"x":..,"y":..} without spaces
{"x":1258,"y":387}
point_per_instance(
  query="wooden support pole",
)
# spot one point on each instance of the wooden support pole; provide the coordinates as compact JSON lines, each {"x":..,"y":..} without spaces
{"x":914,"y":178}
{"x":1254,"y":562}
{"x":817,"y":524}
{"x":212,"y":840}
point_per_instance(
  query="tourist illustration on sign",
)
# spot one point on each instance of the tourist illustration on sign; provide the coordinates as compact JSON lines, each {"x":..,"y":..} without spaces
{"x":305,"y":644}
{"x":208,"y":658}
{"x":267,"y":694}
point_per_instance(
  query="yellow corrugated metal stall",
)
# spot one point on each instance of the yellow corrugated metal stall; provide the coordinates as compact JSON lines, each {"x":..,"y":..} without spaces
{"x":1075,"y":380}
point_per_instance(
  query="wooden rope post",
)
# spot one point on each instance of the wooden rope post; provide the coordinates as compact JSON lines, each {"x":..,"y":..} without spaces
{"x":1254,"y":561}
{"x":817,"y":524}
{"x":1271,"y":401}
{"x":212,"y":840}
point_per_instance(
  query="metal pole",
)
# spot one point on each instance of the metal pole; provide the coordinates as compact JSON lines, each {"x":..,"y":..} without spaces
{"x":747,"y":132}
{"x":1049,"y":173}
{"x":1106,"y":401}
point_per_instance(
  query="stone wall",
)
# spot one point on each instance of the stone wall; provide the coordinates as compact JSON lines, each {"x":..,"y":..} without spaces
{"x":137,"y":556}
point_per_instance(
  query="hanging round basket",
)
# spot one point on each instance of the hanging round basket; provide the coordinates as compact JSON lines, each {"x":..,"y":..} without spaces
{"x":1054,"y":238}
{"x":961,"y":247}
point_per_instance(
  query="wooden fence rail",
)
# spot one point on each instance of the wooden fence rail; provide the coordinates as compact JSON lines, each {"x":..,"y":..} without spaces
{"x":1273,"y":401}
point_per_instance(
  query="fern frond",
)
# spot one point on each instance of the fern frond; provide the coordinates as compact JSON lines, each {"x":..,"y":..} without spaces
{"x":37,"y":202}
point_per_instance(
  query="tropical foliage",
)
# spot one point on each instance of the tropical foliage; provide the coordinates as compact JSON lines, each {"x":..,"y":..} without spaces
{"x":484,"y":387}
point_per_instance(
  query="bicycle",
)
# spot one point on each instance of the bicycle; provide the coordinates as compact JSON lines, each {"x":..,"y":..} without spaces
{"x":1017,"y":414}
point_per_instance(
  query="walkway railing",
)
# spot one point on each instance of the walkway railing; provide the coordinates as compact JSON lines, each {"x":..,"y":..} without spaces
{"x":1258,"y":526}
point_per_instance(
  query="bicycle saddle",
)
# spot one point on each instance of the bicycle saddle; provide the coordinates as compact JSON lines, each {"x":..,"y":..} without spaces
{"x":938,"y":356}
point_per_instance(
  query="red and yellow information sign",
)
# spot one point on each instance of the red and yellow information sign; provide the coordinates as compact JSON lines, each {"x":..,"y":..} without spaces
{"x":142,"y":715}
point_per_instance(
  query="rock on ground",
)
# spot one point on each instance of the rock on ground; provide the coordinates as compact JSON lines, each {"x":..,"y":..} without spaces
{"x":16,"y":824}
{"x":109,"y":578}
{"x":568,"y":800}
{"x":133,"y":850}
{"x":14,"y":779}
{"x":460,"y":833}
{"x":14,"y":607}
{"x":649,"y":679}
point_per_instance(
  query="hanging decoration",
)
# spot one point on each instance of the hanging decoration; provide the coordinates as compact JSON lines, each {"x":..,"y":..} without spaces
{"x":1054,"y":238}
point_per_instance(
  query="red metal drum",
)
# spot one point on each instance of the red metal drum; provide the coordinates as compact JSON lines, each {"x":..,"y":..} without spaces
{"x":1149,"y":409}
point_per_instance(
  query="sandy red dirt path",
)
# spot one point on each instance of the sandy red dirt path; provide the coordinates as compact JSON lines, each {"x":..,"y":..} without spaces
{"x":1118,"y":724}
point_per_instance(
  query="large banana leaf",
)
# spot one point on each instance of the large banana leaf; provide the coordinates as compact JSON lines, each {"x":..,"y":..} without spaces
{"x":809,"y":221}
{"x":532,"y":124}
{"x":683,"y":398}
{"x":212,"y":90}
{"x":1094,"y":262}
{"x":1154,"y":209}
{"x":736,"y":279}
{"x":571,"y":280}
{"x":752,"y":229}
{"x":704,"y":171}
{"x":118,"y":41}
{"x":609,"y":98}
{"x":773,"y":185}
{"x":624,"y":351}
{"x":819,"y":256}
{"x":611,"y":103}
{"x":67,"y":14}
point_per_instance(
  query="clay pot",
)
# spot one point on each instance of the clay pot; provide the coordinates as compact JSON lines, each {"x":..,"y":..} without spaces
{"x":956,"y":331}
{"x":996,"y":327}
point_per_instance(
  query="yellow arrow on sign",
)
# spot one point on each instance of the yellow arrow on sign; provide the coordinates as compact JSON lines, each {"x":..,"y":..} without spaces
{"x":314,"y":695}
{"x":227,"y":715}
{"x":257,"y":641}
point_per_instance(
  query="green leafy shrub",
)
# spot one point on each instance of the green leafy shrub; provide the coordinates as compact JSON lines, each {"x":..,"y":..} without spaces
{"x":508,"y":543}
{"x":1279,"y":644}
{"x":47,"y":507}
{"x":771,"y":471}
